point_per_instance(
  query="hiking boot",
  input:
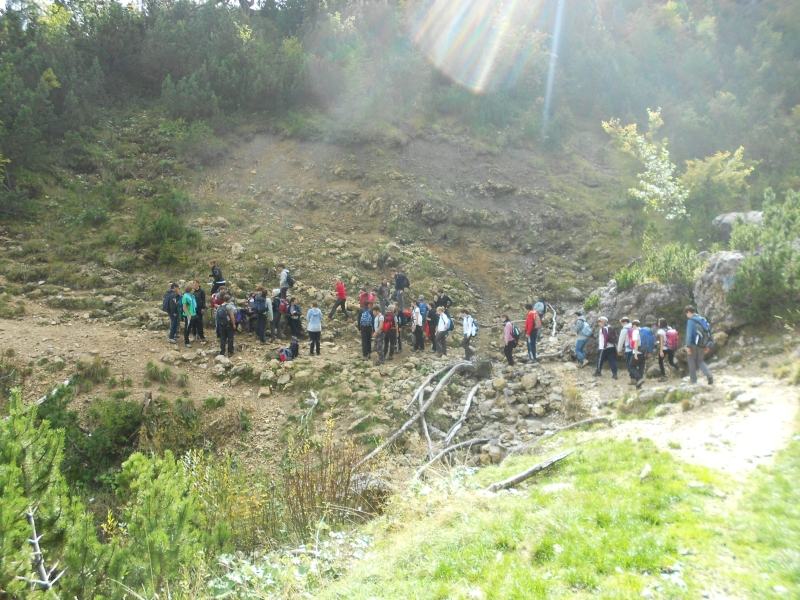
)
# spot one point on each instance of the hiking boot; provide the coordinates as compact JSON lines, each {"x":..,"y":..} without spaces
{"x":639,"y":384}
{"x":614,"y":377}
{"x":710,"y":381}
{"x":596,"y":374}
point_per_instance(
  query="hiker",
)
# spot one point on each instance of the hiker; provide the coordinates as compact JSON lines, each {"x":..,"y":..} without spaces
{"x":533,"y":324}
{"x":638,"y":354}
{"x":698,"y":340}
{"x":363,"y":299}
{"x":383,"y":295}
{"x":200,"y":298}
{"x":389,"y":333}
{"x":314,"y":327}
{"x":418,"y":325}
{"x":276,"y":312}
{"x":666,"y":343}
{"x":341,"y":299}
{"x":284,"y":280}
{"x":189,"y":311}
{"x":443,"y":300}
{"x":584,"y":331}
{"x":443,"y":327}
{"x":262,"y":305}
{"x":294,"y":315}
{"x":226,"y":325}
{"x":401,"y":284}
{"x":365,"y":322}
{"x":377,"y":333}
{"x":403,"y":320}
{"x":432,"y":320}
{"x":624,"y":342}
{"x":470,"y":330}
{"x":172,"y":306}
{"x":606,"y":347}
{"x":217,"y":280}
{"x":509,"y":341}
{"x":217,"y":298}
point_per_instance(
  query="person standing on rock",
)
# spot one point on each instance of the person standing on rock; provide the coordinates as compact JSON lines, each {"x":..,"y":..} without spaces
{"x":200,"y":298}
{"x":226,"y":325}
{"x":173,"y":304}
{"x":262,"y":304}
{"x":418,"y":325}
{"x":314,"y":327}
{"x":189,"y":306}
{"x":606,"y":347}
{"x":638,"y":356}
{"x":584,"y":332}
{"x":442,"y":331}
{"x":365,"y":322}
{"x":382,"y":293}
{"x":666,"y":344}
{"x":377,"y":333}
{"x":341,"y":299}
{"x":469,"y":330}
{"x":698,"y":338}
{"x":217,"y":280}
{"x":401,"y":284}
{"x":509,"y":341}
{"x":533,"y":323}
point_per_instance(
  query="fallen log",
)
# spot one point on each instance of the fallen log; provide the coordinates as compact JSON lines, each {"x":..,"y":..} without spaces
{"x":457,"y":425}
{"x":447,"y":451}
{"x":528,"y":473}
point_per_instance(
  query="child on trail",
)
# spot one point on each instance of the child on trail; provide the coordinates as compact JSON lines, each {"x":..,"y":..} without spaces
{"x":189,"y":306}
{"x":314,"y":327}
{"x":666,"y":345}
{"x":200,"y":297}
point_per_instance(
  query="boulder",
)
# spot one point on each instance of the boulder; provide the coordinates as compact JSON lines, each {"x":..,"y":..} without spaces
{"x":646,"y":302}
{"x":218,"y":371}
{"x":711,"y":290}
{"x":725,"y":222}
{"x":284,"y":379}
{"x":223,"y":361}
{"x":264,"y":392}
{"x":169,"y":358}
{"x":499,"y":384}
{"x":529,"y":381}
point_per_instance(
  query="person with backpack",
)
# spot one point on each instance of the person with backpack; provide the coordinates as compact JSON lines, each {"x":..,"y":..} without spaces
{"x":509,"y":339}
{"x":365,"y":322}
{"x":443,"y":300}
{"x":444,"y":326}
{"x":418,"y":325}
{"x":533,"y":325}
{"x":225,"y":320}
{"x":584,"y":332}
{"x":401,"y":284}
{"x":624,"y":343}
{"x":636,"y":369}
{"x":174,"y":315}
{"x":200,"y":297}
{"x":217,"y":280}
{"x":666,"y":345}
{"x":389,"y":333}
{"x":188,"y":312}
{"x":285,"y":280}
{"x":341,"y":299}
{"x":403,"y":321}
{"x":294,"y":314}
{"x":377,"y":333}
{"x":314,"y":327}
{"x":363,"y":299}
{"x":698,"y":341}
{"x":469,"y":330}
{"x":432,"y":320}
{"x":262,"y":305}
{"x":606,"y":347}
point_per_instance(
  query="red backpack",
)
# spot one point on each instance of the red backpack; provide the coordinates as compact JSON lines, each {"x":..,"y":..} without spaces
{"x":388,"y":322}
{"x":672,"y":339}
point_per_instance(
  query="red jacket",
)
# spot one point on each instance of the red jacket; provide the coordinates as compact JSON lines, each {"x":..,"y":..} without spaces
{"x":341,"y":292}
{"x":363,"y":297}
{"x":530,"y":322}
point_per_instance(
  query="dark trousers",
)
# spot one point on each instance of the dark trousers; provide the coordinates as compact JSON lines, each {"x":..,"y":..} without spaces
{"x":531,"y":342}
{"x":465,"y":346}
{"x":636,"y":367}
{"x":261,"y":327}
{"x":508,"y":350}
{"x":339,"y":302}
{"x":314,"y":336}
{"x":389,"y":342}
{"x":294,"y":326}
{"x":441,"y":343}
{"x":366,"y":340}
{"x":226,"y":340}
{"x":610,"y":355}
{"x":419,"y":338}
{"x":283,"y":293}
{"x":399,"y":339}
{"x":377,"y":345}
{"x":670,"y":356}
{"x":174,"y":323}
{"x":197,"y":326}
{"x":188,"y":326}
{"x":432,"y":330}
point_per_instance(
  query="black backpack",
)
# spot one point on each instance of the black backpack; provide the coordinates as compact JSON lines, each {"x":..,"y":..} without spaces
{"x":165,"y":302}
{"x":289,"y":280}
{"x":222,"y":319}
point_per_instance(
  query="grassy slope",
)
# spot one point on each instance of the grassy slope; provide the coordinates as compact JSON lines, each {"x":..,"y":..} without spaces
{"x":590,"y":528}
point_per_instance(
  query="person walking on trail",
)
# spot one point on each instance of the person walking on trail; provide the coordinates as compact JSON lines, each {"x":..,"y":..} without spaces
{"x":432,"y":317}
{"x":606,"y":347}
{"x":469,"y":330}
{"x":584,"y":331}
{"x":294,"y":314}
{"x":638,"y":355}
{"x":401,"y":284}
{"x":172,"y":306}
{"x":533,"y":324}
{"x":262,"y":305}
{"x":418,"y":325}
{"x":698,"y":340}
{"x":217,"y":280}
{"x":363,"y":299}
{"x":226,"y":325}
{"x":200,"y":298}
{"x":624,"y":343}
{"x":341,"y":299}
{"x":314,"y":327}
{"x":666,"y":345}
{"x":189,"y":311}
{"x":509,"y":341}
{"x":383,"y":292}
{"x":377,"y":333}
{"x":284,"y":280}
{"x":389,"y":333}
{"x":365,"y":323}
{"x":442,"y":331}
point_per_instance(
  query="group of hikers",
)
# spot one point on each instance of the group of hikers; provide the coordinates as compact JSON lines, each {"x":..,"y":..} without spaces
{"x":385,"y":317}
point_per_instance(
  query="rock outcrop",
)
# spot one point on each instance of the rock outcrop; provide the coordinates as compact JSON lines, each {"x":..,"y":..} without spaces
{"x":646,"y":302}
{"x":711,"y":290}
{"x":725,"y":222}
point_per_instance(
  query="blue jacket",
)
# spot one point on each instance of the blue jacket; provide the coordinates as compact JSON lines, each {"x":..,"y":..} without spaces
{"x":693,"y":330}
{"x":314,"y":319}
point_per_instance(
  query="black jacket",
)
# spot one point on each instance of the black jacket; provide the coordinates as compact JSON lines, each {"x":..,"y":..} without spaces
{"x":200,"y":296}
{"x":175,"y":305}
{"x":216,"y":274}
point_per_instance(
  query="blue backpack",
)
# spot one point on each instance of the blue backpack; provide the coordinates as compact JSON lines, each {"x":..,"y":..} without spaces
{"x":366,"y":319}
{"x":647,"y":339}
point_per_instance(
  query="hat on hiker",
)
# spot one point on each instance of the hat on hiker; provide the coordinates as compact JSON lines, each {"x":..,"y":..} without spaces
{"x":603,"y":319}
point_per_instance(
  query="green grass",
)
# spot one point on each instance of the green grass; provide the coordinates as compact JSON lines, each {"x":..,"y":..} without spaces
{"x":156,"y":375}
{"x":587,"y":529}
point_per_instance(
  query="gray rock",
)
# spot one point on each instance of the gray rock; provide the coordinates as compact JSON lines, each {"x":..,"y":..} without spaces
{"x":223,"y":361}
{"x":725,"y":222}
{"x":499,"y":383}
{"x":529,"y":381}
{"x":646,"y":302}
{"x":711,"y":290}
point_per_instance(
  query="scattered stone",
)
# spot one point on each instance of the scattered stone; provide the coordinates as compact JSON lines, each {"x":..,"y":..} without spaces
{"x":499,"y":384}
{"x":223,"y":361}
{"x":284,"y":379}
{"x":264,"y":392}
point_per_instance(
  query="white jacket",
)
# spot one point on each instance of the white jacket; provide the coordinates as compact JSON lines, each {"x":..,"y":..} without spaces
{"x":443,"y":324}
{"x":468,"y":325}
